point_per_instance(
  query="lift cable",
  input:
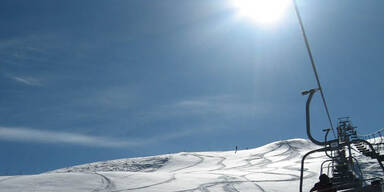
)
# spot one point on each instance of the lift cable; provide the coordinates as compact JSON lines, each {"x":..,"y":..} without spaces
{"x":313,"y":64}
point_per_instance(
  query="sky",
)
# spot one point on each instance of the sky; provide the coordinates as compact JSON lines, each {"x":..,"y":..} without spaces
{"x":86,"y":81}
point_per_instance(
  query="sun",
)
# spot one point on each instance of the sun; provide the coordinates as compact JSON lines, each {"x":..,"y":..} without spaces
{"x":262,"y":11}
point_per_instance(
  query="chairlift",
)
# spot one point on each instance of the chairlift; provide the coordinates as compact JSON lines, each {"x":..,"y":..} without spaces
{"x":342,"y":165}
{"x":345,"y":169}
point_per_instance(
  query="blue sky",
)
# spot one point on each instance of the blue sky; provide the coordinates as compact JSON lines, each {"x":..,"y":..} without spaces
{"x":84,"y":81}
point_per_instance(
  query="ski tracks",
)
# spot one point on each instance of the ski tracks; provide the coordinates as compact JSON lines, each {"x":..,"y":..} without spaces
{"x":227,"y":186}
{"x":148,"y":186}
{"x":201,"y":159}
{"x":226,"y":180}
{"x":109,"y":185}
{"x":266,"y":162}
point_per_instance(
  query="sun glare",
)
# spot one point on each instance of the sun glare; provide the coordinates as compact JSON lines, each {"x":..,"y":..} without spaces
{"x":262,"y":11}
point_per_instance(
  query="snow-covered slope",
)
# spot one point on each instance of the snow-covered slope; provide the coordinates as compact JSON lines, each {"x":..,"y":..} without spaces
{"x":273,"y":167}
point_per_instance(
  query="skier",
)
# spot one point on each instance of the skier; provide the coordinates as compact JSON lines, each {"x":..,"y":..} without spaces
{"x":324,"y":185}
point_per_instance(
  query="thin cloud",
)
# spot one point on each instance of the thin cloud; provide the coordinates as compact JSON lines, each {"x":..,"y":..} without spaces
{"x":40,"y":136}
{"x":227,"y":105}
{"x":27,"y":81}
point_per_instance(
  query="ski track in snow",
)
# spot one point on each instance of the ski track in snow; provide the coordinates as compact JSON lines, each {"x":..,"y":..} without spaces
{"x":148,"y":186}
{"x":109,"y":185}
{"x":190,"y":166}
{"x":215,"y":171}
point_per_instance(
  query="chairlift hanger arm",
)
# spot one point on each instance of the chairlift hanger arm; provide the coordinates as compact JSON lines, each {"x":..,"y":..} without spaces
{"x":310,"y":94}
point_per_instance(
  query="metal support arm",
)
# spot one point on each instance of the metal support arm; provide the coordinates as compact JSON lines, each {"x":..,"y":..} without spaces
{"x":308,"y":117}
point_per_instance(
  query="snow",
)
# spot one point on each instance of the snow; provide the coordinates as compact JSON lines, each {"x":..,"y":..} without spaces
{"x":273,"y":167}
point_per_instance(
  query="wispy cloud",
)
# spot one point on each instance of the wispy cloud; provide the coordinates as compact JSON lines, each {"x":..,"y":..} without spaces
{"x":211,"y":113}
{"x":220,"y":105}
{"x":27,"y":80}
{"x":114,"y":97}
{"x":40,"y":136}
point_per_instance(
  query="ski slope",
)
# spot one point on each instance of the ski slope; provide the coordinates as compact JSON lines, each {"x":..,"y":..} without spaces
{"x":273,"y":167}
